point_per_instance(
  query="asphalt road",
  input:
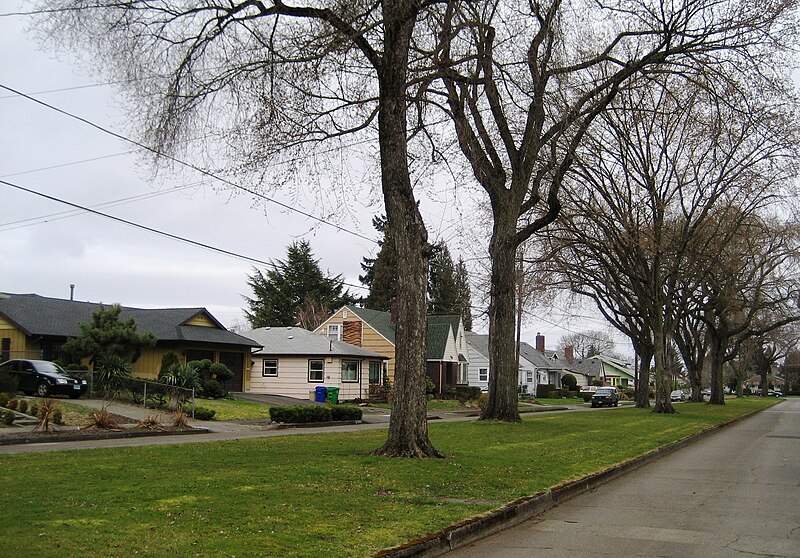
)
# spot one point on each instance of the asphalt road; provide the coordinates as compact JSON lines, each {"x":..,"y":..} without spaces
{"x":736,"y":493}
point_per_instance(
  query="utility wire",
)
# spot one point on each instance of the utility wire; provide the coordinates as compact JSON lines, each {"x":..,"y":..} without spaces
{"x":186,"y":164}
{"x":151,"y":229}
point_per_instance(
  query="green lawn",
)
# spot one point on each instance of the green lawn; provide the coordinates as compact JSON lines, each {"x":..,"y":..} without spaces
{"x":231,"y":409}
{"x":310,"y":495}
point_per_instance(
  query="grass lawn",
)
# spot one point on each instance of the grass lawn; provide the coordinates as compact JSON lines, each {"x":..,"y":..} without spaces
{"x":311,"y":495}
{"x":230,"y":409}
{"x":559,"y":401}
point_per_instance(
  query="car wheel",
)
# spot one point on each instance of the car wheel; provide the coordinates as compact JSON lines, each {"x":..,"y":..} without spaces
{"x":616,"y":404}
{"x":42,"y":389}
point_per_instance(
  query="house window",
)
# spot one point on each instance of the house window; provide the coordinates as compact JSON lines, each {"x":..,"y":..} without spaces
{"x":5,"y":349}
{"x":316,"y":370}
{"x":270,"y":367}
{"x":349,"y":371}
{"x":483,"y":375}
{"x":374,"y":372}
{"x":335,"y":331}
{"x":529,"y":376}
{"x":462,"y":373}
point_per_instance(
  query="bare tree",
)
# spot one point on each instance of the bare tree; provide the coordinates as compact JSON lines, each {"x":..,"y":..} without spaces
{"x":269,"y":82}
{"x":522,"y":82}
{"x":588,"y":343}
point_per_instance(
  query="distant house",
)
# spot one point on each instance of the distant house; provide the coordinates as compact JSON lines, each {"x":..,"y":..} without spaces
{"x":33,"y":326}
{"x":609,"y":370}
{"x":447,"y":352}
{"x":551,"y":365}
{"x":294,"y":361}
{"x":529,"y":374}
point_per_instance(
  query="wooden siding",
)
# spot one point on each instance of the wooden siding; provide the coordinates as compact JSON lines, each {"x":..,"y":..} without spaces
{"x":370,"y":339}
{"x":19,"y":342}
{"x":292,"y":378}
{"x":201,"y":320}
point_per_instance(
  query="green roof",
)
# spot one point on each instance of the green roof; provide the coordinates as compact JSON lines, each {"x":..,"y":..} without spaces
{"x":378,"y":320}
{"x":437,"y":340}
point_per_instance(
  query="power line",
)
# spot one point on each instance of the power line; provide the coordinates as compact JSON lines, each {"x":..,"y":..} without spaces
{"x":188,"y":165}
{"x":62,"y":165}
{"x":152,"y":230}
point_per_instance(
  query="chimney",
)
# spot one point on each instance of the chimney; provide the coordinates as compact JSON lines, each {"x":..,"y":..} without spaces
{"x":72,"y":291}
{"x":569,"y":353}
{"x":352,"y":332}
{"x":393,"y":311}
{"x":540,"y":343}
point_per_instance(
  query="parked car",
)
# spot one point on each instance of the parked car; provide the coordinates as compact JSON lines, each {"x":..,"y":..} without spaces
{"x":43,"y":378}
{"x":677,"y":395}
{"x":775,"y":393}
{"x":587,"y":392}
{"x":706,"y":392}
{"x":606,"y":396}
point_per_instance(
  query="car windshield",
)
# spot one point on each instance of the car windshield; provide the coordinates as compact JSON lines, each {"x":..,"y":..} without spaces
{"x":49,"y":368}
{"x":604,"y":391}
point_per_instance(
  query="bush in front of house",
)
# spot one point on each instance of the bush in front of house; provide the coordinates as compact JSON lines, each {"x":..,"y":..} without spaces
{"x":201,"y":413}
{"x":22,"y":407}
{"x":543,"y":390}
{"x":33,"y":410}
{"x":3,"y":399}
{"x":303,"y":414}
{"x":12,"y":404}
{"x":212,"y":389}
{"x":8,"y":418}
{"x":346,"y":412}
{"x":468,"y":393}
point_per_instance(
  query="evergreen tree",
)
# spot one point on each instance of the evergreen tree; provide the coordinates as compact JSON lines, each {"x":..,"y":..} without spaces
{"x":107,"y":336}
{"x":464,"y":294}
{"x":281,"y":292}
{"x":380,"y":272}
{"x":442,"y":289}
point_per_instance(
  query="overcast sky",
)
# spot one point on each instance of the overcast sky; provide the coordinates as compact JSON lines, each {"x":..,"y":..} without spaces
{"x":46,"y":245}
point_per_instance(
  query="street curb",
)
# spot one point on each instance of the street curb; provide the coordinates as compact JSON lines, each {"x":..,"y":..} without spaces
{"x":67,"y":437}
{"x":511,"y":514}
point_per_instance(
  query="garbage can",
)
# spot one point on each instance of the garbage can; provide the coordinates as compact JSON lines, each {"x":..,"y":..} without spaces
{"x":312,"y":395}
{"x":320,"y":394}
{"x":333,"y":395}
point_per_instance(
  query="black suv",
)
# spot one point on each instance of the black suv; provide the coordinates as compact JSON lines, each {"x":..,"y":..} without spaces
{"x":606,"y":396}
{"x":43,"y":377}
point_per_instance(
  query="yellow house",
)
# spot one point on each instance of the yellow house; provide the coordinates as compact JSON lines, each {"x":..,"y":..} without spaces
{"x":447,"y":351}
{"x":36,"y":327}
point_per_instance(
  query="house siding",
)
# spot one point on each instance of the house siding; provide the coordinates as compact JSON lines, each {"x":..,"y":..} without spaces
{"x":292,"y":378}
{"x":370,"y":339}
{"x":19,"y":343}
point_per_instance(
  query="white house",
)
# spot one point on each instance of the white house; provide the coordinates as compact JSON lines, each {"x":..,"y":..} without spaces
{"x":478,"y":373}
{"x":294,"y":361}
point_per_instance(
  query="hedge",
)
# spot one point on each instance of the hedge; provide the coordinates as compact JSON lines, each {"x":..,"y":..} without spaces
{"x":296,"y":414}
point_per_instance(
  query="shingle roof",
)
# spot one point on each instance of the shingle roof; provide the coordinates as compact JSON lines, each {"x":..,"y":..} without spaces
{"x":298,"y":341}
{"x":438,"y":335}
{"x":39,"y":315}
{"x":478,"y":342}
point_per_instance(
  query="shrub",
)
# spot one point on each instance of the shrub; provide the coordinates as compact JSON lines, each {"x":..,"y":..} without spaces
{"x":430,"y":387}
{"x":180,"y":419}
{"x":103,"y":419}
{"x":169,"y":360}
{"x":483,"y":400}
{"x":569,"y":381}
{"x":58,"y":417}
{"x":201,"y":413}
{"x":111,"y":372}
{"x":22,"y":406}
{"x":9,"y":417}
{"x":33,"y":410}
{"x":46,"y":414}
{"x":543,"y":390}
{"x":8,"y":383}
{"x":3,"y":399}
{"x":300,"y":414}
{"x":468,"y":393}
{"x":151,"y":422}
{"x":346,"y":412}
{"x":212,"y":389}
{"x":157,"y":398}
{"x":221,"y":372}
{"x":12,"y":404}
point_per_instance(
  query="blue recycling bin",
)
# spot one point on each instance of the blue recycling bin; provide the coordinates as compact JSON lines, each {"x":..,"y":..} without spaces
{"x":321,"y":394}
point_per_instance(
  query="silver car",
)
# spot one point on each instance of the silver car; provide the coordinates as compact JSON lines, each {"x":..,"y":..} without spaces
{"x":677,"y":395}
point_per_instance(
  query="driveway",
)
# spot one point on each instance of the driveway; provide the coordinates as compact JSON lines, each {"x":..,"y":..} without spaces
{"x":736,"y":493}
{"x":270,"y":399}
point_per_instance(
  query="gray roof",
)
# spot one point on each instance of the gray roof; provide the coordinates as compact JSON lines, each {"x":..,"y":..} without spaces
{"x":479,"y":343}
{"x":296,"y":341}
{"x":56,"y":317}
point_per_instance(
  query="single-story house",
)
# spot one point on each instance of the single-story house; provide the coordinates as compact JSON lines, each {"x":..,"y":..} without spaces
{"x":294,"y":361}
{"x":447,"y":352}
{"x":34,"y":326}
{"x":609,"y":370}
{"x":478,"y":344}
{"x":551,"y":365}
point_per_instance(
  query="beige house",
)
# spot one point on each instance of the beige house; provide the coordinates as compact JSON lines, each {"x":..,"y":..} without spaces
{"x":293,"y":362}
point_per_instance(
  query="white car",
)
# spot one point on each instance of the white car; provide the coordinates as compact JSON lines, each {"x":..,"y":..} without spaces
{"x":677,"y":395}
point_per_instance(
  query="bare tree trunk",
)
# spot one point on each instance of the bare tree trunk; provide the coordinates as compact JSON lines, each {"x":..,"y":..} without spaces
{"x":663,"y":404}
{"x":408,"y":426}
{"x":645,"y":353}
{"x":717,"y":351}
{"x":503,"y":399}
